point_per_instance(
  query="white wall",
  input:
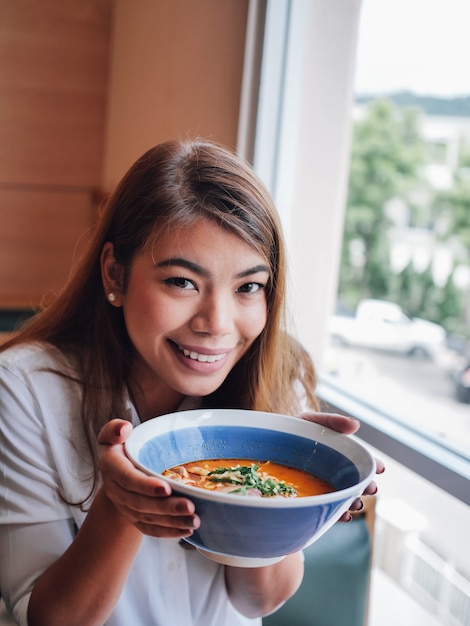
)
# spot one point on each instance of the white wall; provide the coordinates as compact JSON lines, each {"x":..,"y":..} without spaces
{"x":302,"y":149}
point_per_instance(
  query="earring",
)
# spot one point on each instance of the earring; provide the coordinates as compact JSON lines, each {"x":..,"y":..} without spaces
{"x":111,"y":296}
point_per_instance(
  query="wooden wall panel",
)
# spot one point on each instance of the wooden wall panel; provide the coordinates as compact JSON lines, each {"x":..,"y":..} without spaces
{"x":40,"y":235}
{"x":85,"y":87}
{"x":54,"y":65}
{"x":54,"y":58}
{"x":176,"y":72}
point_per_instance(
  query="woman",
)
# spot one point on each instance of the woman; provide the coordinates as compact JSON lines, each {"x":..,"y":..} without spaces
{"x":179,"y":302}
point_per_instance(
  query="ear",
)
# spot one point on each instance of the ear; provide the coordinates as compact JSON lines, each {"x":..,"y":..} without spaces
{"x":112,"y":275}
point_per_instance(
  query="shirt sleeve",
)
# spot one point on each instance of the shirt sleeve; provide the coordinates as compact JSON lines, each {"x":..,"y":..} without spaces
{"x":25,"y":552}
{"x":35,"y":524}
{"x":29,"y":481}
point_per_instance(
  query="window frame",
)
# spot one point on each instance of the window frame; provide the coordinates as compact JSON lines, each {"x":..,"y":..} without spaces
{"x":420,"y":453}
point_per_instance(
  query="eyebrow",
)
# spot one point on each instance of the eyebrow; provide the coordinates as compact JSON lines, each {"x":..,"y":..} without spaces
{"x":197,"y":269}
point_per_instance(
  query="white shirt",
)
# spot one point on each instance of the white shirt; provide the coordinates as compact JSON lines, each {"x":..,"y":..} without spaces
{"x":42,"y":450}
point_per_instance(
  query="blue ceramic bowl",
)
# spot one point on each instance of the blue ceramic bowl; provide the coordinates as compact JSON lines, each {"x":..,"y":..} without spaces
{"x":244,"y":530}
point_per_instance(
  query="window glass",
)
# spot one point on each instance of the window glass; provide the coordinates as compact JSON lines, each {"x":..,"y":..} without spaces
{"x":400,"y":338}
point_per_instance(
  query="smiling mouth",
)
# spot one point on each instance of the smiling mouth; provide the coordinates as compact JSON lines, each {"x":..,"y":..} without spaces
{"x":202,"y":358}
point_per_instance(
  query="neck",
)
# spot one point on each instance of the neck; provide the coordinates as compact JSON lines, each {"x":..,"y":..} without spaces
{"x":154,"y":402}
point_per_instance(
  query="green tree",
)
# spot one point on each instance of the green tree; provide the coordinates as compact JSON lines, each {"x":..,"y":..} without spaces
{"x":387,"y":155}
{"x":454,"y":205}
{"x":451,"y":309}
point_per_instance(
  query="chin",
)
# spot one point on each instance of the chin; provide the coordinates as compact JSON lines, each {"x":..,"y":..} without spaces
{"x":200,"y":390}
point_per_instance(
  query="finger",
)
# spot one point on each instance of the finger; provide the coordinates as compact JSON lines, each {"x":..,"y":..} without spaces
{"x":171,"y":519}
{"x":114,"y":432}
{"x":168,"y":521}
{"x":370,"y":490}
{"x":115,"y":463}
{"x":341,"y":423}
{"x":357,"y":505}
{"x":380,"y":466}
{"x":164,"y":532}
{"x":126,"y":480}
{"x":140,"y":506}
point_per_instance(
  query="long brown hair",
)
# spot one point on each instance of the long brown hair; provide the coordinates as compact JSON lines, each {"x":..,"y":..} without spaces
{"x":172,"y":185}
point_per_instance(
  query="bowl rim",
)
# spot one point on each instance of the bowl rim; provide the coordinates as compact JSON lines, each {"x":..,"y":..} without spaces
{"x":180,"y":420}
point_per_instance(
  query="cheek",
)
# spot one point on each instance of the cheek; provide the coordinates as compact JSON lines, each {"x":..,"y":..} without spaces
{"x":154,"y":317}
{"x":255,"y":321}
{"x":143,"y":312}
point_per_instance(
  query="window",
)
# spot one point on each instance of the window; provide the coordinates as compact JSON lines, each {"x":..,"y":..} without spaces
{"x":304,"y":141}
{"x":305,"y":136}
{"x":411,"y":126}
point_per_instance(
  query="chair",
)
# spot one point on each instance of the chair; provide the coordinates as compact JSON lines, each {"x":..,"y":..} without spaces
{"x":335,"y":588}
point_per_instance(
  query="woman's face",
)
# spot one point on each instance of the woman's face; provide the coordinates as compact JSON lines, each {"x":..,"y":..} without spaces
{"x":192,"y":306}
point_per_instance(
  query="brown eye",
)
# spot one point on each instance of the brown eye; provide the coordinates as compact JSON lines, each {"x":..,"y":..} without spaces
{"x":251,"y":288}
{"x":180,"y":283}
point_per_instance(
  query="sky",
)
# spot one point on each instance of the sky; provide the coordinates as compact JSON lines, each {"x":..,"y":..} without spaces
{"x":420,"y":45}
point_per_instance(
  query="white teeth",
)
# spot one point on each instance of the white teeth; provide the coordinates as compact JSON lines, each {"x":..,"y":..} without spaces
{"x":202,"y":358}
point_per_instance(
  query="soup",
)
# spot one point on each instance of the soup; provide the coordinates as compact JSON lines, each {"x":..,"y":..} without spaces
{"x":246,"y":477}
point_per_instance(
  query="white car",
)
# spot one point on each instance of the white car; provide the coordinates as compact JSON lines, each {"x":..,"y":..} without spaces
{"x":383,"y":325}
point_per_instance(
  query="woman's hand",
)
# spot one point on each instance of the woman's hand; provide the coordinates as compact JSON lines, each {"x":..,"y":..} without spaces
{"x":346,"y":426}
{"x":143,"y":500}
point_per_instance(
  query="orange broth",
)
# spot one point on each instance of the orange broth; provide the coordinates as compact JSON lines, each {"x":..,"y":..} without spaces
{"x":197,"y":474}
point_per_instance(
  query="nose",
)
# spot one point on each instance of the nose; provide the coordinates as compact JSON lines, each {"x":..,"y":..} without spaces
{"x":215,"y":315}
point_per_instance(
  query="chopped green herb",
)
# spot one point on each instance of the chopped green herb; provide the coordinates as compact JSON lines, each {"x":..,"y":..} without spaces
{"x":248,"y":478}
